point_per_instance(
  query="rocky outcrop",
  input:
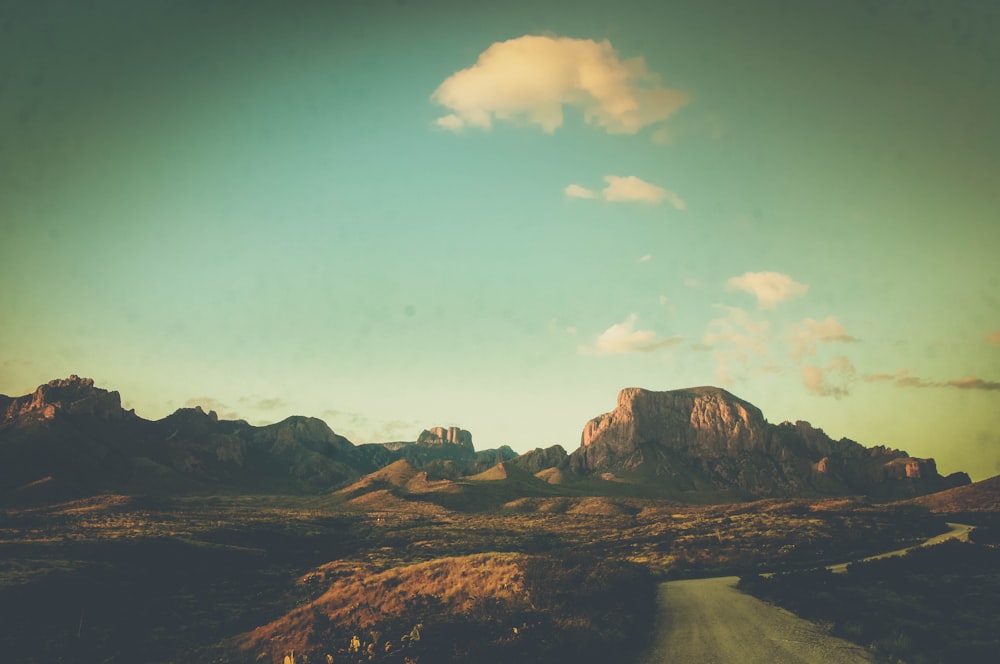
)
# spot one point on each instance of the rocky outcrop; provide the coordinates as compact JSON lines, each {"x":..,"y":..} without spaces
{"x":706,"y":437}
{"x":72,"y":396}
{"x":540,"y":459}
{"x":443,"y":436}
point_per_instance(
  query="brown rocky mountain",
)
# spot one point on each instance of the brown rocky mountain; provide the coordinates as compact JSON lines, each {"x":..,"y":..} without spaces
{"x":69,"y":438}
{"x":705,"y":438}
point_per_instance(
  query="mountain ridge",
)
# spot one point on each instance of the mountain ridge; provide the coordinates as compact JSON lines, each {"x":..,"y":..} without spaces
{"x":71,"y":438}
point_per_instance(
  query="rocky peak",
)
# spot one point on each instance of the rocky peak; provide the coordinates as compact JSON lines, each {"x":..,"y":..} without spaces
{"x":443,"y":436}
{"x":707,"y":418}
{"x":714,"y":437}
{"x":73,"y":396}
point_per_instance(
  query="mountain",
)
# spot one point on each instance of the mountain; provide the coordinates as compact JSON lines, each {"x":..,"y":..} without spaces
{"x":705,"y":439}
{"x":442,"y":452}
{"x":70,"y":439}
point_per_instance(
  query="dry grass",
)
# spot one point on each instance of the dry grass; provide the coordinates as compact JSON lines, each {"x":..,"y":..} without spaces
{"x":983,"y":496}
{"x":358,"y":599}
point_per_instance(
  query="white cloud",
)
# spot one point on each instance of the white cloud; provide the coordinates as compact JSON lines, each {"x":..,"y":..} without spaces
{"x":663,"y":299}
{"x":806,"y":335}
{"x":624,"y":338}
{"x":628,"y":189}
{"x":690,"y":282}
{"x":631,"y":188}
{"x":833,"y":380}
{"x":450,"y":122}
{"x":529,"y":79}
{"x":576,"y":191}
{"x":770,"y":288}
{"x":645,"y":259}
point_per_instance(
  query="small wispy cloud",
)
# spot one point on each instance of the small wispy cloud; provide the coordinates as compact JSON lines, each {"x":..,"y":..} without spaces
{"x":623,"y":338}
{"x":644,"y":259}
{"x":664,"y":299}
{"x":691,"y":282}
{"x":627,"y":189}
{"x":805,"y":336}
{"x":576,"y":191}
{"x":739,"y":343}
{"x":904,"y":378}
{"x":834,"y":380}
{"x":529,"y":80}
{"x":769,"y":288}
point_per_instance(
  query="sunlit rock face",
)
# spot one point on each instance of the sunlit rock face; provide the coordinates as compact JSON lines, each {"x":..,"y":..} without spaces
{"x":73,"y":396}
{"x":706,"y":437}
{"x":443,"y":436}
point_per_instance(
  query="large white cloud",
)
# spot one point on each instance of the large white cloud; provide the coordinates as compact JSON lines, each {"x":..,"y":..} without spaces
{"x":624,"y":338}
{"x":627,"y":189}
{"x":770,"y":288}
{"x":531,"y":78}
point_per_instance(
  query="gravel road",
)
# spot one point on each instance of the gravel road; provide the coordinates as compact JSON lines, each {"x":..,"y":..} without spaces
{"x":708,"y":621}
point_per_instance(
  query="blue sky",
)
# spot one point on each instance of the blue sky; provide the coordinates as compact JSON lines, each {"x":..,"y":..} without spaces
{"x":400,"y":215}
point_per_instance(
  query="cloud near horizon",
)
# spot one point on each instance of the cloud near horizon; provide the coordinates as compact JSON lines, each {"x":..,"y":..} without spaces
{"x":903,"y":378}
{"x":628,"y":189}
{"x":530,"y":79}
{"x":623,"y":338}
{"x":770,"y":288}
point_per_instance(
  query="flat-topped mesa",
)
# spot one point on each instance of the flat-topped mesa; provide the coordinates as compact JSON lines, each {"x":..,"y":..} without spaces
{"x":73,"y":396}
{"x":702,"y":436}
{"x":706,"y":418}
{"x":443,"y":436}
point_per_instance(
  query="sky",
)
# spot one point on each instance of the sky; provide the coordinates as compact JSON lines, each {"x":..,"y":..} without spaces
{"x":399,"y":215}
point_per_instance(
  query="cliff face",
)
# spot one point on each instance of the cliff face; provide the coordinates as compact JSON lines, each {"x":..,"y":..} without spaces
{"x":449,"y":436}
{"x":705,"y":436}
{"x":73,"y":396}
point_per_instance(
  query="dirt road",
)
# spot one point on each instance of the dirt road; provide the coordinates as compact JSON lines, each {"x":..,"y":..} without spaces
{"x":704,"y":621}
{"x":708,"y":620}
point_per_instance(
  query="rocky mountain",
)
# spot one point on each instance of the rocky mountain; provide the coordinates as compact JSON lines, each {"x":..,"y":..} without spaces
{"x":69,"y":438}
{"x":705,"y":438}
{"x":442,"y":452}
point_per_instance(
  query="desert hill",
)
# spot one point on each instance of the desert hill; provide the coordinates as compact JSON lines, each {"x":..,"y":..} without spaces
{"x":982,"y":496}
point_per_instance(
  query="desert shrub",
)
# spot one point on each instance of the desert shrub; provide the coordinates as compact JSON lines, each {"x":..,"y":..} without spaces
{"x":935,"y":604}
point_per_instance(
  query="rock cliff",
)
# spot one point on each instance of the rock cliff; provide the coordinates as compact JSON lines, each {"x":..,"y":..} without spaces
{"x":449,"y":436}
{"x":73,"y":395}
{"x":705,"y":437}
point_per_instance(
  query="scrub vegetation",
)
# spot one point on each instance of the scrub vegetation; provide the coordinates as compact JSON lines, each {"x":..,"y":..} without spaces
{"x":387,"y":578}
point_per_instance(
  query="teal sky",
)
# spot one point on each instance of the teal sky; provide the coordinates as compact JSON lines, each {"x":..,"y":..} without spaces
{"x":298,"y":208}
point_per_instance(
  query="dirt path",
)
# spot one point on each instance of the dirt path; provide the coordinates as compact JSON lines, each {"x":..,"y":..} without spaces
{"x":958,"y":531}
{"x":708,"y":620}
{"x":704,"y":621}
